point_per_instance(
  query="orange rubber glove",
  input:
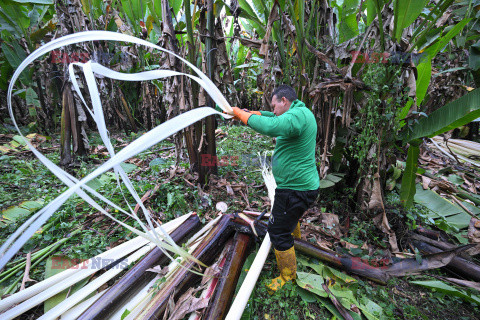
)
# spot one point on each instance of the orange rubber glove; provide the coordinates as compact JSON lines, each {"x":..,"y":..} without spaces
{"x":243,"y":115}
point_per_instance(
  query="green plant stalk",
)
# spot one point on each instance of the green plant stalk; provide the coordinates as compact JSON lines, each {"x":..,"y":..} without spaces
{"x":22,"y":262}
{"x":40,"y":259}
{"x":467,"y":195}
{"x":42,"y":254}
{"x":424,"y":33}
{"x":7,"y":274}
{"x":380,"y":24}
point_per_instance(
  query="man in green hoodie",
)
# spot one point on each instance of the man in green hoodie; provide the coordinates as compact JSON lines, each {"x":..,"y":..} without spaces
{"x":294,"y":169}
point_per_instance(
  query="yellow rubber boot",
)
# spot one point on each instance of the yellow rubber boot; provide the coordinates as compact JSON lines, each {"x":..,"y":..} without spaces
{"x":287,"y":264}
{"x":297,"y":234}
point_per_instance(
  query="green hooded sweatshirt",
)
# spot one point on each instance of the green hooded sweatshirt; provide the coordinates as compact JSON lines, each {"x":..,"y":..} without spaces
{"x":293,"y":162}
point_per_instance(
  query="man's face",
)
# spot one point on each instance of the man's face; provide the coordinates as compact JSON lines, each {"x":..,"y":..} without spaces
{"x":280,"y":106}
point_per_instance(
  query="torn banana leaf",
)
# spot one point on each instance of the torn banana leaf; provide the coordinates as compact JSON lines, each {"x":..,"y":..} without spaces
{"x":449,"y":290}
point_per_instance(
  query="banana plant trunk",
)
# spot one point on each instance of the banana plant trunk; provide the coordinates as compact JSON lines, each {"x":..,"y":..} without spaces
{"x":209,"y":148}
{"x":138,"y":276}
{"x":206,"y":252}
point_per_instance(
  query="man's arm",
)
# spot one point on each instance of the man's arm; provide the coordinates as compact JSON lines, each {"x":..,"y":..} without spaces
{"x":267,"y":114}
{"x":288,"y":124}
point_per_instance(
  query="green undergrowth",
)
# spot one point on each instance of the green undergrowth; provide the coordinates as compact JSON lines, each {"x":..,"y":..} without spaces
{"x":23,"y":178}
{"x":399,"y":299}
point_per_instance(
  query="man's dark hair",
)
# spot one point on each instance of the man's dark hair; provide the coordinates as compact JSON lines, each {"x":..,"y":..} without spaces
{"x":286,"y":91}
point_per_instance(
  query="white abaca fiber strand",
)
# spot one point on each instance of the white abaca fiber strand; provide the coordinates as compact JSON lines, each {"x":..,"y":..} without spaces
{"x":24,"y":232}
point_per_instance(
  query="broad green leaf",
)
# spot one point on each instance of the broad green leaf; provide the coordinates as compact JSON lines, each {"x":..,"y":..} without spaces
{"x":424,"y":69}
{"x":156,"y":9}
{"x":453,"y":115}
{"x":424,"y":74}
{"x":157,"y":162}
{"x":453,"y":178}
{"x":327,"y":272}
{"x":176,"y":5}
{"x":334,"y":177}
{"x":306,"y":295}
{"x":15,"y":16}
{"x":20,"y":140}
{"x":128,"y":8}
{"x":248,"y":13}
{"x":449,"y":290}
{"x":459,"y":221}
{"x":407,"y":192}
{"x":128,"y":167}
{"x":462,"y":220}
{"x":14,"y":55}
{"x":6,"y":71}
{"x":370,"y":309}
{"x":405,"y":13}
{"x":32,"y":98}
{"x":439,"y":206}
{"x":260,"y":9}
{"x":24,"y":209}
{"x":311,"y":282}
{"x":371,"y":11}
{"x":31,"y":205}
{"x":474,"y":57}
{"x":94,"y":183}
{"x":246,"y":266}
{"x":245,"y":6}
{"x":330,"y":307}
{"x":14,"y":213}
{"x":106,"y":178}
{"x":326,"y":184}
{"x":54,"y":265}
{"x":443,"y":41}
{"x":347,"y":24}
{"x":86,"y":6}
{"x":348,"y":28}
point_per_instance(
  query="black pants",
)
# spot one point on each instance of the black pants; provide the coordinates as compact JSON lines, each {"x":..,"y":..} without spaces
{"x":288,"y":207}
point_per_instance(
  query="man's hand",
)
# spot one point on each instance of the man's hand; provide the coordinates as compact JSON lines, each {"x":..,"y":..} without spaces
{"x":243,"y":115}
{"x":258,"y":113}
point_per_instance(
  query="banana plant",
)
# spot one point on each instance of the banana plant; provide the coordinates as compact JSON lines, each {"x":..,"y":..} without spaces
{"x":22,"y":19}
{"x":347,"y":11}
{"x":448,"y":117}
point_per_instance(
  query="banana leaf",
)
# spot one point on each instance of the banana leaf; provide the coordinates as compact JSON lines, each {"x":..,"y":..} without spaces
{"x":448,"y":290}
{"x":425,"y":68}
{"x":405,"y":13}
{"x":453,"y":115}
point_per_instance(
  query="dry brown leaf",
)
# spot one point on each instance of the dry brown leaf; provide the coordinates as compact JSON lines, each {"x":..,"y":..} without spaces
{"x":426,"y":182}
{"x":186,"y":304}
{"x":211,"y":272}
{"x":474,"y":231}
{"x":158,"y":269}
{"x":331,"y":223}
{"x":381,"y":222}
{"x":348,"y":245}
{"x":229,"y":189}
{"x":376,"y":197}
